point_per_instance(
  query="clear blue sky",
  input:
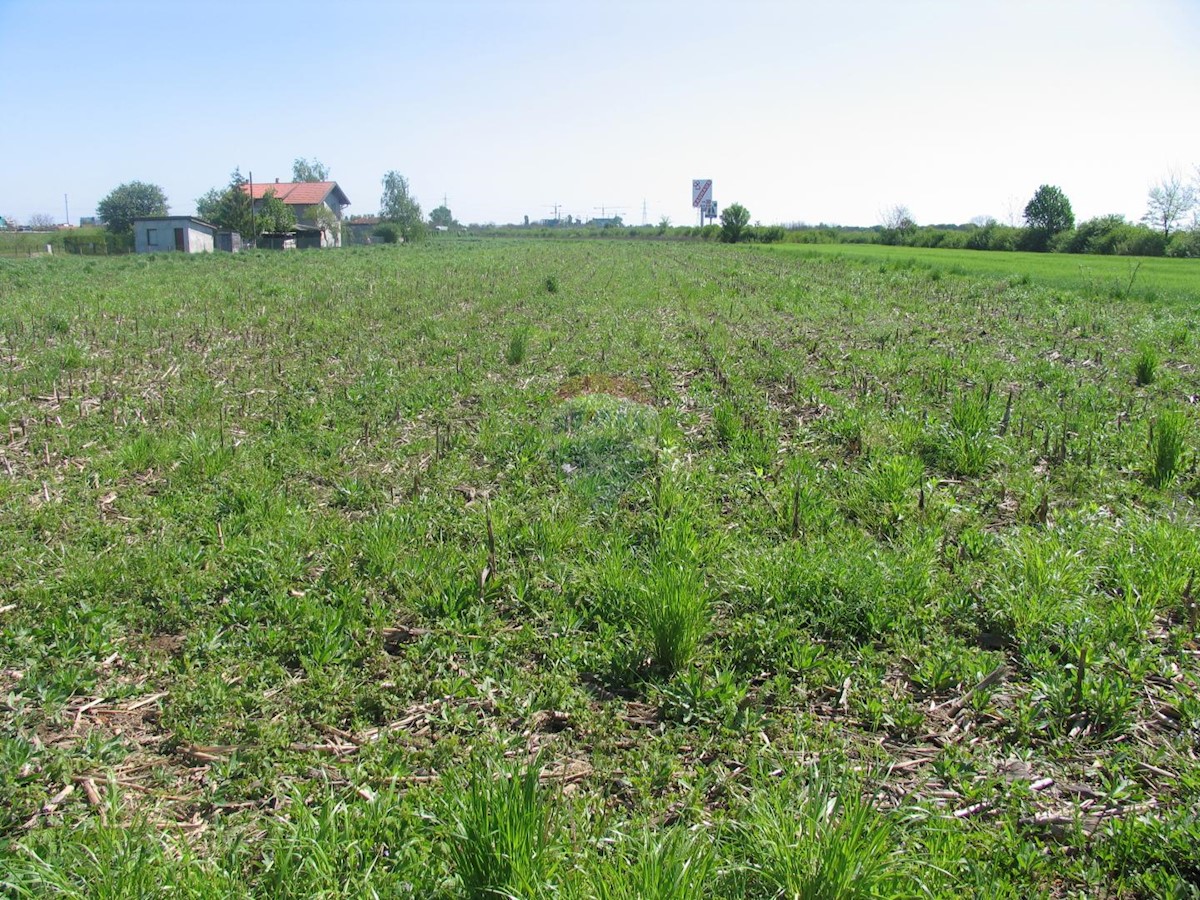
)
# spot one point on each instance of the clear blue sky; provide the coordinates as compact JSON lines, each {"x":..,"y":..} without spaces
{"x":801,"y":111}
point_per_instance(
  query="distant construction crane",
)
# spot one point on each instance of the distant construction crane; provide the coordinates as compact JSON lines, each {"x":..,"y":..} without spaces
{"x":556,"y":207}
{"x":606,"y":207}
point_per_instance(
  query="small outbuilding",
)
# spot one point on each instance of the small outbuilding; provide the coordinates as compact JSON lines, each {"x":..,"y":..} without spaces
{"x":276,"y":240}
{"x":184,"y":234}
{"x":229,"y":241}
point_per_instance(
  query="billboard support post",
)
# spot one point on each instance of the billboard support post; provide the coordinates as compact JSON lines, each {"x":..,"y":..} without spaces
{"x":702,"y":196}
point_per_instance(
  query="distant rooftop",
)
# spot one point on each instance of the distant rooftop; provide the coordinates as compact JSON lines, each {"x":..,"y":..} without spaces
{"x":299,"y":193}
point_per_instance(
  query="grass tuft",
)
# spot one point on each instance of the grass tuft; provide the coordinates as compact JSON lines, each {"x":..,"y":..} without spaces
{"x":503,"y":836}
{"x":822,"y":843}
{"x":518,"y":346}
{"x":1168,"y":434}
{"x":968,"y":439}
{"x":677,"y":866}
{"x":1145,"y":365}
{"x":673,"y":614}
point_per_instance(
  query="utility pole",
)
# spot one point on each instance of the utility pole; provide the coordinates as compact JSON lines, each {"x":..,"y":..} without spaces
{"x":66,"y":209}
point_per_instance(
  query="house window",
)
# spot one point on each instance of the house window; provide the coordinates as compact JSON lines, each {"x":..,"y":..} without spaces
{"x":151,"y":237}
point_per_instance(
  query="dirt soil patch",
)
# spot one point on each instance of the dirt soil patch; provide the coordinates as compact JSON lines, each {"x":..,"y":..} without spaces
{"x":613,"y":385}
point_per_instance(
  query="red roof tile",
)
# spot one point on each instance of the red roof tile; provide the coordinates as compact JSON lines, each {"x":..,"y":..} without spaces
{"x":299,"y":193}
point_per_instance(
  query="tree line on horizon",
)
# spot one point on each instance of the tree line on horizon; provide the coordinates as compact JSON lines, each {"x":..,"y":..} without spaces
{"x":1049,"y":221}
{"x":1164,"y":230}
{"x":1049,"y":226}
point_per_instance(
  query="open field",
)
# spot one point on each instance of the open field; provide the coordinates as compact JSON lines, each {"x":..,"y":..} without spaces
{"x":76,"y":241}
{"x":1089,"y":275}
{"x":597,"y":570}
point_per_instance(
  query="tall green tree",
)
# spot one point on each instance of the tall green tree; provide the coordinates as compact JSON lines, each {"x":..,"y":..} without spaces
{"x":208,"y":203}
{"x":442,"y":217}
{"x":303,"y":170}
{"x":1047,"y":214}
{"x":734,"y":219}
{"x":130,"y":201}
{"x":229,"y":209}
{"x":273,"y":215}
{"x":397,"y":205}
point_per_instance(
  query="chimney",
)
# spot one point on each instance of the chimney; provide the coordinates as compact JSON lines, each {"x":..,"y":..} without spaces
{"x":277,"y":181}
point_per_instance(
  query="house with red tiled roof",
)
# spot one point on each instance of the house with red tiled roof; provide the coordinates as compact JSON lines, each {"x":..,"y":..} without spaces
{"x":302,"y":196}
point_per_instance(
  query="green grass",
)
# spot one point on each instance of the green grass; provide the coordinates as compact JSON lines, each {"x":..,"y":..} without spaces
{"x":1089,"y":275}
{"x":595,"y":570}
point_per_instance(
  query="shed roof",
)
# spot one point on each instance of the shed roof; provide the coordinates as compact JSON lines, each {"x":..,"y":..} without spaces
{"x":300,"y":193}
{"x":198,"y":221}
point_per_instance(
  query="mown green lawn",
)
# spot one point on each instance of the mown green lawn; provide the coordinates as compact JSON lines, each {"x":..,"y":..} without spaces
{"x":605,"y":569}
{"x":1094,"y":276}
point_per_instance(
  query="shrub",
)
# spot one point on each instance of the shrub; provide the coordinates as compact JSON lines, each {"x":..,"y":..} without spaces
{"x":387,"y":232}
{"x":1034,"y":240}
{"x":1138,"y":240}
{"x":770,"y":234}
{"x":734,"y":219}
{"x":993,"y":236}
{"x":954,"y":240}
{"x":1063,"y":242}
{"x":1098,"y":235}
{"x":1184,"y":244}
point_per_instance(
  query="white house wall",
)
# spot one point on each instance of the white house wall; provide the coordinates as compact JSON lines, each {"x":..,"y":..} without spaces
{"x":196,"y":239}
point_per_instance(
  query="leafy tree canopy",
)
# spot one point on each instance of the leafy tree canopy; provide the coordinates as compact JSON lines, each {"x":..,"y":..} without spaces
{"x":734,"y":219}
{"x":273,"y":215}
{"x":397,"y":205}
{"x":1048,"y":213}
{"x":303,"y":170}
{"x":442,"y":217}
{"x":229,"y":209}
{"x":130,"y":201}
